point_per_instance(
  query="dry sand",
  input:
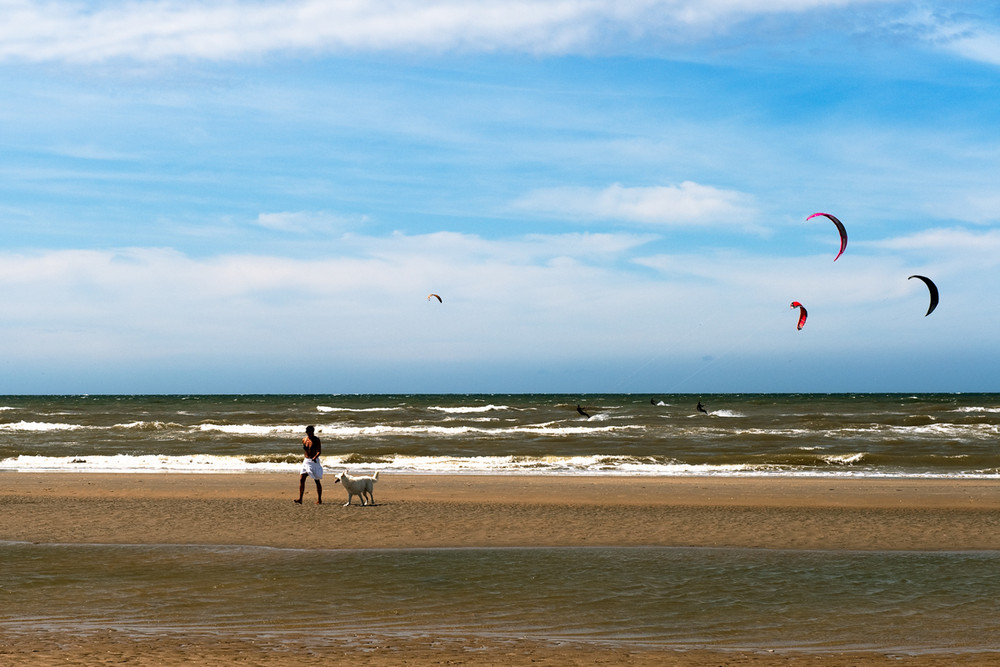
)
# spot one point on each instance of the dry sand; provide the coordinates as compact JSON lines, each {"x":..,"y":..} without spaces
{"x":453,"y":511}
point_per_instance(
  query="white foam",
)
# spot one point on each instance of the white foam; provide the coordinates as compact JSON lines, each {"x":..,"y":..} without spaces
{"x":548,"y":428}
{"x":469,"y":408}
{"x":251,"y":429}
{"x":471,"y":465}
{"x":39,"y":427}
{"x":147,"y":426}
{"x":844,"y":459}
{"x":327,"y":408}
{"x":130,"y":463}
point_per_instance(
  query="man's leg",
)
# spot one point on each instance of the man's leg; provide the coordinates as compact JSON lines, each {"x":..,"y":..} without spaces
{"x":319,"y":493}
{"x":302,"y":487}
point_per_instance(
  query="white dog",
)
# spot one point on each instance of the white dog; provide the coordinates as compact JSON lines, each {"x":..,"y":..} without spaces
{"x":358,"y":486}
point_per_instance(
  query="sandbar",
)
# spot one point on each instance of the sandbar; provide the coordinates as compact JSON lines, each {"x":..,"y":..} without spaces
{"x":433,"y":511}
{"x":414,"y":511}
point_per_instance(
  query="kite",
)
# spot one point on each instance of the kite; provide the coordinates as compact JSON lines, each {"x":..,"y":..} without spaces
{"x":840,"y":228}
{"x":802,"y":314}
{"x":933,"y":290}
{"x":434,"y":296}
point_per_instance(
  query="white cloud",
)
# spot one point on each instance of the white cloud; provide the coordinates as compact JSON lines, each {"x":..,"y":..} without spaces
{"x":151,"y":30}
{"x":959,"y":32}
{"x":686,"y":204}
{"x":303,"y":222}
{"x":519,"y":302}
{"x":981,"y":46}
{"x":950,"y":242}
{"x":145,"y":300}
{"x":958,"y":259}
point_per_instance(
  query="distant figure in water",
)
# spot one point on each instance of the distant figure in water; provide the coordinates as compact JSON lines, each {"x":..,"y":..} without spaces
{"x":701,"y":408}
{"x":580,"y":410}
{"x":652,"y":401}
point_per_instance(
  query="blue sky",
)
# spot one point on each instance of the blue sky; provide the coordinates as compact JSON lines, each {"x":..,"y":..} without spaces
{"x":609,"y":197}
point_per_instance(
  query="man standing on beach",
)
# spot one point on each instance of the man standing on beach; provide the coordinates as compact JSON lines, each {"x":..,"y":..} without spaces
{"x":311,"y":466}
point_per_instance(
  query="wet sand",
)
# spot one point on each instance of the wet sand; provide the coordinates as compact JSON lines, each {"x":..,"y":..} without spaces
{"x":482,"y":511}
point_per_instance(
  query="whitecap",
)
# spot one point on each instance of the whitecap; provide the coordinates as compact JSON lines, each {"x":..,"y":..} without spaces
{"x":844,"y":459}
{"x":327,"y":408}
{"x":39,"y":426}
{"x":251,"y":429}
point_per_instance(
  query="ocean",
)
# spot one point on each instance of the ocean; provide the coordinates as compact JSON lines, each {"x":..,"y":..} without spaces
{"x":923,"y":435}
{"x":898,"y":602}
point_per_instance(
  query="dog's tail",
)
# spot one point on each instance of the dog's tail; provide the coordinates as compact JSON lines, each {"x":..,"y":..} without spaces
{"x":375,"y":476}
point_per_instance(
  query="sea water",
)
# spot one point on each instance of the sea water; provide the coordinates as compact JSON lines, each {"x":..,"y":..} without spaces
{"x":729,"y":599}
{"x":925,"y":435}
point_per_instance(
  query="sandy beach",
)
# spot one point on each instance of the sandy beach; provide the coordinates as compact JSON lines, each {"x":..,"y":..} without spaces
{"x":484,"y":511}
{"x":498,"y":511}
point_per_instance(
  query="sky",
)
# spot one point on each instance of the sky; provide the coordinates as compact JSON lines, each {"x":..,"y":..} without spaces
{"x":259,"y":196}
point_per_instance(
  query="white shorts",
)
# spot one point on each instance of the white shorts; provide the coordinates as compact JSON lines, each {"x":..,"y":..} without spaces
{"x":312,"y":468}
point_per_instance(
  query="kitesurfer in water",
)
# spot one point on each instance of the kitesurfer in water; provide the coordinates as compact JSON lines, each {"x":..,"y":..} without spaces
{"x":580,"y":410}
{"x":701,"y":408}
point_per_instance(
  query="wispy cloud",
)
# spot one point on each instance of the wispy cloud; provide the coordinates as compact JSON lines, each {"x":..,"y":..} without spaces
{"x":308,"y":222}
{"x":46,"y":31}
{"x":370,"y":303}
{"x":950,"y":241}
{"x":962,"y":31}
{"x":686,"y":204}
{"x":981,"y":45}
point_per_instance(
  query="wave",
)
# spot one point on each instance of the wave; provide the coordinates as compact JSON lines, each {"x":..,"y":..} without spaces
{"x":483,"y":427}
{"x":335,"y":431}
{"x":548,"y":429}
{"x":39,"y":426}
{"x":844,"y":459}
{"x":251,"y":429}
{"x":468,"y":408}
{"x":148,"y":426}
{"x":326,"y":408}
{"x":937,"y":431}
{"x":874,"y":431}
{"x":597,"y":464}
